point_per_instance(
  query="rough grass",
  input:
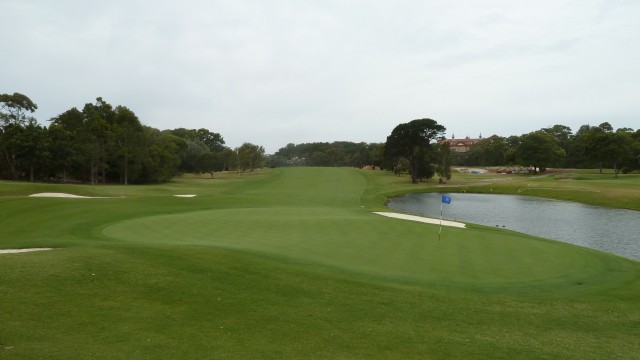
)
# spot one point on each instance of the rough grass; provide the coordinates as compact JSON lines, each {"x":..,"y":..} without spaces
{"x":292,"y":264}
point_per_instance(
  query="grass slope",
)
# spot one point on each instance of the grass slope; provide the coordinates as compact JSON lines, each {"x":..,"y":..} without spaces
{"x":292,"y":264}
{"x":585,"y":186}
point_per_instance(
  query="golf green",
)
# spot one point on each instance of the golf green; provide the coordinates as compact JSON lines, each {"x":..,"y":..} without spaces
{"x":315,"y":216}
{"x":293,"y":263}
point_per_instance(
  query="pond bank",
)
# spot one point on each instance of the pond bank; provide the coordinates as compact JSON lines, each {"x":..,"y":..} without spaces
{"x":611,"y":230}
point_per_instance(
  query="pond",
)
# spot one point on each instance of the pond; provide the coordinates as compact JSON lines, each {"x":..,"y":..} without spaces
{"x":615,"y":231}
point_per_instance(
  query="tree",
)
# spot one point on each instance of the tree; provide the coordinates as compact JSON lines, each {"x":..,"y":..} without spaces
{"x":376,"y":154}
{"x":539,"y":150}
{"x":606,"y":127}
{"x":425,"y":169}
{"x":444,"y":162}
{"x":250,"y":156}
{"x":412,"y":141}
{"x":33,"y":148}
{"x":562,"y":133}
{"x":212,"y":140}
{"x":65,"y":149}
{"x":95,"y":135}
{"x":99,"y":142}
{"x":161,"y":157}
{"x":127,"y":131}
{"x":199,"y":142}
{"x":576,"y":156}
{"x":607,"y":147}
{"x":337,"y":153}
{"x":14,"y":108}
{"x":401,"y":166}
{"x":9,"y":144}
{"x":194,"y":151}
{"x":229,"y":159}
{"x":13,"y":119}
{"x":210,"y":162}
{"x":491,"y":151}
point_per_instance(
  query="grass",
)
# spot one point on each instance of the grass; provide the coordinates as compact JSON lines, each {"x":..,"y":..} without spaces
{"x":291,"y":263}
{"x":585,"y":186}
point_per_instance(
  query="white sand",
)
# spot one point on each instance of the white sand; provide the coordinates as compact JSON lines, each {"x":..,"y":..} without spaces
{"x":14,"y":251}
{"x":469,"y":170}
{"x":185,"y":195}
{"x":421,"y":219}
{"x":63,"y":195}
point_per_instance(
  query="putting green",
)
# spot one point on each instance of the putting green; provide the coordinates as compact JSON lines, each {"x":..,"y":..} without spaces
{"x":320,"y":221}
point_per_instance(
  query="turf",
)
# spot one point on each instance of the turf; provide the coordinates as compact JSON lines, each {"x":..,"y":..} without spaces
{"x":585,"y":186}
{"x":291,"y":263}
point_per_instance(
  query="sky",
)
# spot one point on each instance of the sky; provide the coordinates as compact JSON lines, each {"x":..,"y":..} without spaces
{"x":297,"y":71}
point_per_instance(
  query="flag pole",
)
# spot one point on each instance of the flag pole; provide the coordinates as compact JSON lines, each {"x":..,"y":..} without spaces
{"x":447,"y":200}
{"x":440,"y":231}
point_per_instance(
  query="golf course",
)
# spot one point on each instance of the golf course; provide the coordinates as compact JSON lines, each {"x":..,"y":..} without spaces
{"x":294,"y":263}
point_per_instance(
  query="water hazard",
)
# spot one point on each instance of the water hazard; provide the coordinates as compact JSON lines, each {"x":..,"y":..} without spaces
{"x":615,"y":231}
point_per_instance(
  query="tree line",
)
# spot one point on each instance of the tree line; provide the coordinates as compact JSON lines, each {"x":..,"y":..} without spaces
{"x":410,"y":148}
{"x":418,"y":148}
{"x":105,"y":144}
{"x":337,"y":153}
{"x":557,"y":146}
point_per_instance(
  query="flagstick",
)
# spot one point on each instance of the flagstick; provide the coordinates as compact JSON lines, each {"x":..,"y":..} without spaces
{"x":440,"y":231}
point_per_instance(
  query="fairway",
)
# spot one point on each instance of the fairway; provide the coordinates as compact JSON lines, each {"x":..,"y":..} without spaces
{"x":293,"y":263}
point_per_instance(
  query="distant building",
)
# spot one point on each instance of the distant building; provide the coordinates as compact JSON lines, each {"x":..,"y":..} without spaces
{"x":459,"y":145}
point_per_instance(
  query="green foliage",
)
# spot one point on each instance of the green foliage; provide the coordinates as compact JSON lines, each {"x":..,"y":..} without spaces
{"x":412,"y":141}
{"x":161,"y":157}
{"x":14,"y":138}
{"x":606,"y":147}
{"x":205,"y":150}
{"x":213,"y":141}
{"x":250,"y":157}
{"x":338,"y":153}
{"x":562,"y":134}
{"x":210,"y":162}
{"x":100,"y":144}
{"x":14,"y":109}
{"x":491,"y":151}
{"x":128,"y":136}
{"x":34,"y":144}
{"x":590,"y":146}
{"x":539,"y":150}
{"x":445,"y":159}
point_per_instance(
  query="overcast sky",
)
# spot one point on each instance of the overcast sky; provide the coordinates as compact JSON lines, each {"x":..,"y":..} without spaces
{"x":279,"y":71}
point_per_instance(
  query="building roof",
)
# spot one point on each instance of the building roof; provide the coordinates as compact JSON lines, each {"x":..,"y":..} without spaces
{"x":460,"y":145}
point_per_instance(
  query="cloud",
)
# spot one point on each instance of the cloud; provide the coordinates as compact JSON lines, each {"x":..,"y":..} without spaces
{"x":288,"y":71}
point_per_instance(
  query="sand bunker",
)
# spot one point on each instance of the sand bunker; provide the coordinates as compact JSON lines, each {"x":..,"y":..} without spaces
{"x":422,"y":219}
{"x":63,"y":195}
{"x":186,"y":195}
{"x":14,"y":251}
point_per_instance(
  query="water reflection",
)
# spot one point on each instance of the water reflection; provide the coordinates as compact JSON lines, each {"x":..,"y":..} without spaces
{"x":612,"y":230}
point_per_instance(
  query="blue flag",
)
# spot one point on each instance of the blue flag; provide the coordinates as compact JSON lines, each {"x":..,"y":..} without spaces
{"x":446,"y":199}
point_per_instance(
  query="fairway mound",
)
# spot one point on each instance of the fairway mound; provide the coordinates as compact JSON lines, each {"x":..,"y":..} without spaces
{"x":422,"y":219}
{"x":15,"y":251}
{"x":63,"y":195}
{"x":185,"y":196}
